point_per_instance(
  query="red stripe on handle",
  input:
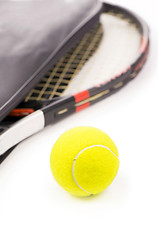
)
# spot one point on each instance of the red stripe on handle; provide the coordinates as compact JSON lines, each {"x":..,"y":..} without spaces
{"x":82,"y":107}
{"x":81,"y":96}
{"x":21,"y":112}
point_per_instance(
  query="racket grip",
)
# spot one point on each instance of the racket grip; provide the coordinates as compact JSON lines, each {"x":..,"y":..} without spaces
{"x":58,"y":110}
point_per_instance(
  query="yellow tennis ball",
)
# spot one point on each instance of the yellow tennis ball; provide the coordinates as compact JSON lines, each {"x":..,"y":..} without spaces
{"x":84,"y":161}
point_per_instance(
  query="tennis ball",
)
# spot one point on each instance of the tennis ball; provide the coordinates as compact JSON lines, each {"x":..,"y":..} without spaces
{"x":84,"y":161}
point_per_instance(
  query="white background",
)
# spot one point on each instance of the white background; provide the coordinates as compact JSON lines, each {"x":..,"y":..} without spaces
{"x":33,"y":206}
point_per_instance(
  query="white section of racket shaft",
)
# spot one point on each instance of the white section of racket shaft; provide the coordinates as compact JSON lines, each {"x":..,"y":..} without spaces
{"x":22,"y":130}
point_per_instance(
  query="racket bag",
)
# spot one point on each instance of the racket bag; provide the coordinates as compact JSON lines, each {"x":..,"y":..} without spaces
{"x":33,"y":36}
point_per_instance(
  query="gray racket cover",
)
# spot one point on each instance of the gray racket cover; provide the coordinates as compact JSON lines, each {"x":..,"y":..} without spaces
{"x":33,"y":36}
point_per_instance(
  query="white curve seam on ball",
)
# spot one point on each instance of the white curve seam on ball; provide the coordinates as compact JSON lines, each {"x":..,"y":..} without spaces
{"x":73,"y":166}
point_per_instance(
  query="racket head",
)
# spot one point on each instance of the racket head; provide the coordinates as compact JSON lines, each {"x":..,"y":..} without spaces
{"x":96,"y":63}
{"x":82,"y":98}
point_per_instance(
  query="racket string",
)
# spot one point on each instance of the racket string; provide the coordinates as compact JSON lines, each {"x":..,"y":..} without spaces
{"x":59,"y":78}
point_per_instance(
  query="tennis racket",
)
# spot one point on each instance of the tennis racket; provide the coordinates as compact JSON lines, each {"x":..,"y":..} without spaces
{"x":104,"y":61}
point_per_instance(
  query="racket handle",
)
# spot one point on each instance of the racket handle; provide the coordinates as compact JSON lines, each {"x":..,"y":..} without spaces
{"x":58,"y":110}
{"x":35,"y":122}
{"x":21,"y":130}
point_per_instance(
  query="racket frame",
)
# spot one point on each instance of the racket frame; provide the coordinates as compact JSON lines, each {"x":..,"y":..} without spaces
{"x":64,"y":106}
